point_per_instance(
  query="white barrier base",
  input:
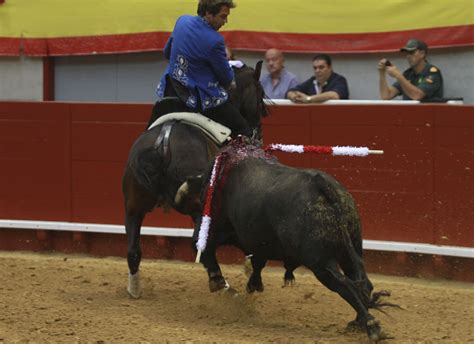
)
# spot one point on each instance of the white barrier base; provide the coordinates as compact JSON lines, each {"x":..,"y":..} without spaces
{"x":358,"y":102}
{"x":376,"y":245}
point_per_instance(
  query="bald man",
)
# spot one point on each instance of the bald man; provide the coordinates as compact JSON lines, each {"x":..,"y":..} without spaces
{"x":278,"y":80}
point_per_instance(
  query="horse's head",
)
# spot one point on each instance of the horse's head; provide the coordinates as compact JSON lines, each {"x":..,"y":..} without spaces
{"x":249,"y":96}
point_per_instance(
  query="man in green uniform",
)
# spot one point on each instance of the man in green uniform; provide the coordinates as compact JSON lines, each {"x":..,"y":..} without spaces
{"x":422,"y":81}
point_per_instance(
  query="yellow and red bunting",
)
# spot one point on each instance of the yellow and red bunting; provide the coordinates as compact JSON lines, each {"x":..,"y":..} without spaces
{"x":58,"y":27}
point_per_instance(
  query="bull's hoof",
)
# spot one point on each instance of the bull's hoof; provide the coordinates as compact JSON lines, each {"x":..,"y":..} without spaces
{"x":134,"y":288}
{"x":355,"y":326}
{"x":373,"y":330}
{"x":252,"y":287}
{"x":217,"y":283}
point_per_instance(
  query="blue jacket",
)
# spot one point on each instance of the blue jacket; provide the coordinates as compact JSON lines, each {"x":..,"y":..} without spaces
{"x":197,"y":60}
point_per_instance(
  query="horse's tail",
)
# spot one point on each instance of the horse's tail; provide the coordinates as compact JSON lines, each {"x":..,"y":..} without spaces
{"x":147,"y":163}
{"x":147,"y":170}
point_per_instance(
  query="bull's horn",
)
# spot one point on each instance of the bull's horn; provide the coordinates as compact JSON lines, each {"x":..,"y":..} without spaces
{"x":181,"y":193}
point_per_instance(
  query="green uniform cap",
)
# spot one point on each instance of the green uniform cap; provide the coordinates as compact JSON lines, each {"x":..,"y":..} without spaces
{"x":414,"y":44}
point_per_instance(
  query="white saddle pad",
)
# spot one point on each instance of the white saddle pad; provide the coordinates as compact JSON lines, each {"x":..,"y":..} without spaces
{"x":216,"y":131}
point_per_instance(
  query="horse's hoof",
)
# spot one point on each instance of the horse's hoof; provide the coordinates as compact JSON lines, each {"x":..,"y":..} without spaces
{"x":133,"y":288}
{"x":134,"y":295}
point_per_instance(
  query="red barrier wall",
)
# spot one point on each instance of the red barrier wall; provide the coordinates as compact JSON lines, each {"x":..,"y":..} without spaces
{"x":64,"y":161}
{"x":419,"y":190}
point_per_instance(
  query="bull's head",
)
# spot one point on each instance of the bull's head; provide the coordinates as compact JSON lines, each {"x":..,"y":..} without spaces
{"x":188,"y":196}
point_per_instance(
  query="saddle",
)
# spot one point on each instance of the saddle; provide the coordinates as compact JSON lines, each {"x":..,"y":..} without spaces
{"x":215,"y":131}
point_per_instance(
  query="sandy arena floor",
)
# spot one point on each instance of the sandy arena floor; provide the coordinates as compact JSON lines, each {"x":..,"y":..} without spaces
{"x":58,"y":298}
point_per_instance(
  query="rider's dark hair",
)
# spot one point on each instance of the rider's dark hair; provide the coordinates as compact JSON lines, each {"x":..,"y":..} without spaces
{"x":323,"y":57}
{"x":214,"y":8}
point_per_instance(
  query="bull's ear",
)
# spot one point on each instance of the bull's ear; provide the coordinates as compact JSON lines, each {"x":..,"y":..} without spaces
{"x":258,"y":70}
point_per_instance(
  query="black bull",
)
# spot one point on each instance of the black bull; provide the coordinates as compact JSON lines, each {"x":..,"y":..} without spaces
{"x":302,"y":217}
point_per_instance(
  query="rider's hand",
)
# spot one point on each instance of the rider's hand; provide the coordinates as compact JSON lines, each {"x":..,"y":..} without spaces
{"x":232,"y":85}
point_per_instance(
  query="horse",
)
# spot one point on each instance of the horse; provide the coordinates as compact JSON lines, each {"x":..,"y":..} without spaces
{"x":158,"y":166}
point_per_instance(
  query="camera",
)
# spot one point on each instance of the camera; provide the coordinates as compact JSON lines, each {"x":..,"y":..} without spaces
{"x":388,"y":63}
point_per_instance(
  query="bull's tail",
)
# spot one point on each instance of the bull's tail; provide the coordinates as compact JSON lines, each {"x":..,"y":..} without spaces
{"x":345,"y":215}
{"x":356,"y":272}
{"x":376,"y":301}
{"x":350,"y":257}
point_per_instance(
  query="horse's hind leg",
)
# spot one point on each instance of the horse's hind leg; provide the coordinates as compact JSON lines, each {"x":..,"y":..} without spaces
{"x":137,"y":204}
{"x":329,"y":275}
{"x":133,"y":224}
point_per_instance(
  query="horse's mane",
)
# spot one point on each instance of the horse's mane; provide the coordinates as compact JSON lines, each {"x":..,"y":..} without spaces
{"x":249,"y":95}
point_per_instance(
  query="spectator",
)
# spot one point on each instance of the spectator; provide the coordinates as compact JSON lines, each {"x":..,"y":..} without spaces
{"x":324,"y":85}
{"x":278,"y":80}
{"x":422,"y":81}
{"x":198,"y":71}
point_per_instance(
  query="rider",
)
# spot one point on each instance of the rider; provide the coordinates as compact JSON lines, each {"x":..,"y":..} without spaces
{"x":198,"y":71}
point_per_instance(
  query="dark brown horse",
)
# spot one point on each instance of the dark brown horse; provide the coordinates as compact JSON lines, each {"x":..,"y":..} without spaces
{"x":154,"y":173}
